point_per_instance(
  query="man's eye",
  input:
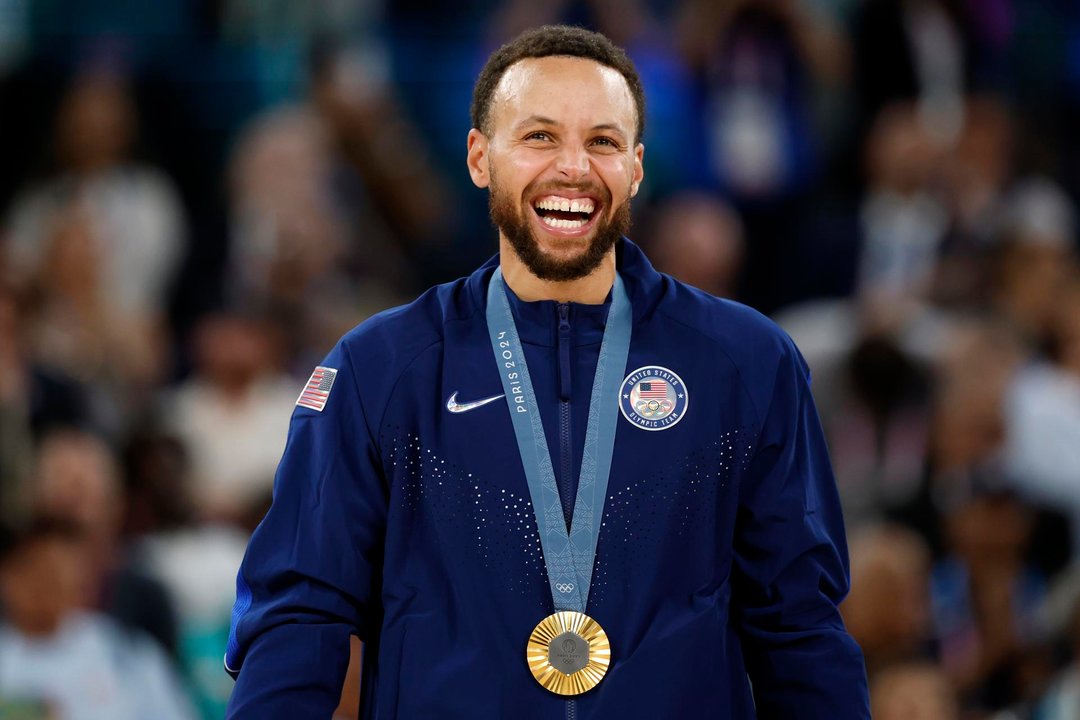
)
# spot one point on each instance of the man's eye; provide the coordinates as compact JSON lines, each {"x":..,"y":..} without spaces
{"x":538,"y":135}
{"x":606,"y":141}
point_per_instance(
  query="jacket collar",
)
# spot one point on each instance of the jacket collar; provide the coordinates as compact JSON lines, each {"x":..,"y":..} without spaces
{"x":538,"y":322}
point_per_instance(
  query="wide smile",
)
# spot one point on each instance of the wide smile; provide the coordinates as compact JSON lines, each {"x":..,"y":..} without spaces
{"x":566,"y":216}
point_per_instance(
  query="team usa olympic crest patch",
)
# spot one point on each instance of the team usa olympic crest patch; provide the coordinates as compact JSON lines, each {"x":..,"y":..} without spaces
{"x":653,"y":398}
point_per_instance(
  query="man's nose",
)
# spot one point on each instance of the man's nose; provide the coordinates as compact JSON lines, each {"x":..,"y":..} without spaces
{"x":573,"y":162}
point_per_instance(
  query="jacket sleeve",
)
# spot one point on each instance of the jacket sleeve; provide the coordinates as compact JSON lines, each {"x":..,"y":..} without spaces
{"x":309,"y":577}
{"x":791,"y":565}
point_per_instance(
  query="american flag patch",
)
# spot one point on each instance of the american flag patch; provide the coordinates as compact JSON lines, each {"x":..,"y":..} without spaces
{"x":317,"y":390}
{"x":653,"y":389}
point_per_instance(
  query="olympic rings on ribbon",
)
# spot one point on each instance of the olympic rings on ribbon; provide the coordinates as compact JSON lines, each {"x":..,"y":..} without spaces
{"x":564,"y":587}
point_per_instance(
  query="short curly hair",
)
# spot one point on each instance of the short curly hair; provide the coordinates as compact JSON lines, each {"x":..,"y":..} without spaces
{"x":549,"y":41}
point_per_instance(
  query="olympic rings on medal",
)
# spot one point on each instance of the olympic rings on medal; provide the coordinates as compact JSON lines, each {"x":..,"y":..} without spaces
{"x":564,"y":587}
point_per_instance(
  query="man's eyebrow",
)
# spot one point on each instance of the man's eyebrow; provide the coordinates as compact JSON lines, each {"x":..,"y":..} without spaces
{"x":609,"y":126}
{"x":536,"y":120}
{"x":541,"y":120}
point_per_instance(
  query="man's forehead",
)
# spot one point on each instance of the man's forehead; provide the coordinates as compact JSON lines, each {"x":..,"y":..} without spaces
{"x":535,"y":86}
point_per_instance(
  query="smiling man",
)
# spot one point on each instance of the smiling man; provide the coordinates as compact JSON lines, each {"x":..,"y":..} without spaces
{"x":566,"y":486}
{"x":557,"y":141}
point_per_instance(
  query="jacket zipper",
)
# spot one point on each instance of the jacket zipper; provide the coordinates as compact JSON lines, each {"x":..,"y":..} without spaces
{"x":566,"y":453}
{"x":566,"y":449}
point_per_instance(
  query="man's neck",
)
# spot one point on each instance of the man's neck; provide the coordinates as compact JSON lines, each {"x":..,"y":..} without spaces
{"x":592,"y":289}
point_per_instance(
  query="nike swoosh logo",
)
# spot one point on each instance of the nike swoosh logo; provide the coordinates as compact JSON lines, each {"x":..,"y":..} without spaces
{"x":455,"y":407}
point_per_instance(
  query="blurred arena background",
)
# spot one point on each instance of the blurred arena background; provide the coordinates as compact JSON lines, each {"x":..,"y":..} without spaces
{"x":197,"y":197}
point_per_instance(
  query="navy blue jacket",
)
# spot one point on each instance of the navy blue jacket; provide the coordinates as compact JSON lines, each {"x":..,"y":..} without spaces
{"x":721,"y":557}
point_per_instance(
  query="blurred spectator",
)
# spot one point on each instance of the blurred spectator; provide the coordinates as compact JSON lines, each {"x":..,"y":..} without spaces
{"x":869,"y":353}
{"x":232,"y":414}
{"x":157,"y":487}
{"x":76,"y":479}
{"x":1036,"y":257}
{"x":914,"y":50}
{"x":877,"y":417}
{"x":759,"y":61}
{"x":985,"y":598}
{"x":698,"y":239}
{"x":387,"y":159}
{"x":196,"y":561}
{"x":903,"y":222}
{"x":970,"y":376}
{"x":134,"y":214}
{"x":290,"y":235}
{"x":38,"y":396}
{"x":73,"y":320}
{"x":33,"y":399}
{"x":323,"y":219}
{"x":60,"y":661}
{"x":979,"y":167}
{"x":97,"y":246}
{"x":975,"y":176}
{"x":888,"y":610}
{"x":915,"y":691}
{"x":759,"y":66}
{"x":1043,"y":414}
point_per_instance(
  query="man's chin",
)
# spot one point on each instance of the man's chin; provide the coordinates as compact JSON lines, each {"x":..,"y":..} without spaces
{"x":564,"y":265}
{"x":561,"y":259}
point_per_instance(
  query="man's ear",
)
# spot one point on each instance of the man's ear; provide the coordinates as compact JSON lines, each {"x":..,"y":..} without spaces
{"x":477,"y":159}
{"x":639,"y":169}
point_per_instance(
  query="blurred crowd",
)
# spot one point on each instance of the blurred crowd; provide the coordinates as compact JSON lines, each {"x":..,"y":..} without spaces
{"x":199,"y":196}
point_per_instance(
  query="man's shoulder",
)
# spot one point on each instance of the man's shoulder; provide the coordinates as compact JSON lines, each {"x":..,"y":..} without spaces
{"x":746,"y":336}
{"x":390,"y":340}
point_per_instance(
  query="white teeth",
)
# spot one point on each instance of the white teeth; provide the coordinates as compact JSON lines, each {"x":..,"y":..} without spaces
{"x":583,"y":205}
{"x":564,"y":224}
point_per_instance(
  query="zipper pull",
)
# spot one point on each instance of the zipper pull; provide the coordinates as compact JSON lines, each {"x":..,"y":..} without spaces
{"x":564,"y":320}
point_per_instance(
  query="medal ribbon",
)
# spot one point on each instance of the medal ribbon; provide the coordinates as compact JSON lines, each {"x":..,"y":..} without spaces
{"x":569,"y":556}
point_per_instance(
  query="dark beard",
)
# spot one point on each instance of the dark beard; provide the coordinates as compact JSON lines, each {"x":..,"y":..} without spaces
{"x":505,"y":215}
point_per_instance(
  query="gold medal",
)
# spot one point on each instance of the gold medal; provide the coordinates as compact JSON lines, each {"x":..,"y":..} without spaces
{"x":568,"y":653}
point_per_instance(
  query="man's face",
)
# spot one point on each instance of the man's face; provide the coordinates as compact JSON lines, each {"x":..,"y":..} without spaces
{"x":561,"y":163}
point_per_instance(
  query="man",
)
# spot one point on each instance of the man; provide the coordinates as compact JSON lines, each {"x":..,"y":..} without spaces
{"x":565,"y":486}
